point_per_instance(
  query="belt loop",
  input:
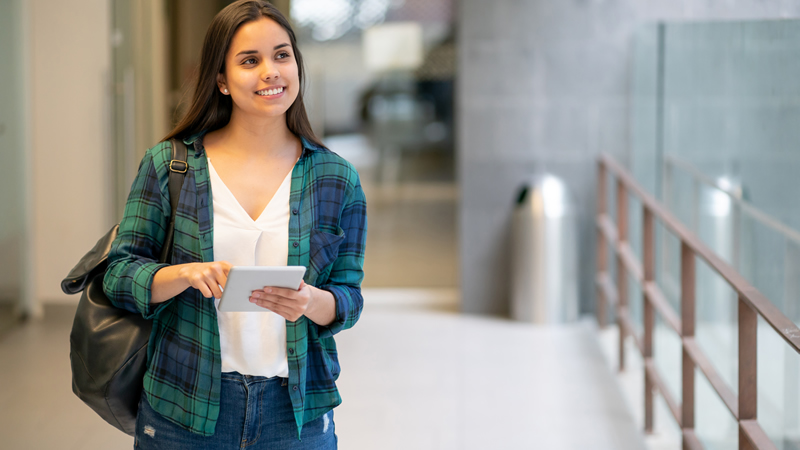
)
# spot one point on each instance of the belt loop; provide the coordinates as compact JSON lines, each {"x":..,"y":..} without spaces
{"x":284,"y":381}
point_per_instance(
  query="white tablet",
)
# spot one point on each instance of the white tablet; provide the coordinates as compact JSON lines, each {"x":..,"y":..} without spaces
{"x":243,"y":280}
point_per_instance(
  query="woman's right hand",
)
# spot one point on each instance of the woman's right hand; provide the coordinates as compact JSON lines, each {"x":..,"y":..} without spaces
{"x":206,"y":277}
{"x":170,"y":281}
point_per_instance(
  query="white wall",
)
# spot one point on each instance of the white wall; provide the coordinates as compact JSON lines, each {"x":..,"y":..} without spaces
{"x":70,"y":129}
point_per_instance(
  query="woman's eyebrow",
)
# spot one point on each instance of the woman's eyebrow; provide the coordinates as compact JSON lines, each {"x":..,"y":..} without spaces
{"x":247,"y":52}
{"x":253,"y":52}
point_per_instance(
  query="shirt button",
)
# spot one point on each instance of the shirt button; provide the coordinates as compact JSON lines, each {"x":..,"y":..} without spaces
{"x":291,"y":351}
{"x":295,"y":244}
{"x":294,"y":388}
{"x":294,"y":211}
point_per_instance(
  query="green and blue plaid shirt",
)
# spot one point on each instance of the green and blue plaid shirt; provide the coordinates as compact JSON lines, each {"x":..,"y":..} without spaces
{"x":327,"y":234}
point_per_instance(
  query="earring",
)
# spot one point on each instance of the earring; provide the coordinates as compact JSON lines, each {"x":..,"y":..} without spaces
{"x":225,"y":91}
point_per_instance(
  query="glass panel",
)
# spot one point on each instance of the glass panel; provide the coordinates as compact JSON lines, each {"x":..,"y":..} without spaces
{"x":770,"y":260}
{"x":644,"y":114}
{"x":667,"y":349}
{"x":668,"y":266}
{"x":791,"y":281}
{"x":681,"y":197}
{"x":731,"y":106}
{"x":778,"y":388}
{"x":636,"y":305}
{"x":715,"y":221}
{"x":727,"y":114}
{"x":714,"y":424}
{"x":716,"y":322}
{"x":11,"y":161}
{"x":667,"y":429}
{"x":635,"y":293}
{"x":667,"y":356}
{"x":725,"y":118}
{"x":635,"y":218}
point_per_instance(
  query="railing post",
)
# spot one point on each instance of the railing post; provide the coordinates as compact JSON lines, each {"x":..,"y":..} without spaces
{"x":748,"y":368}
{"x":687,"y":331}
{"x":622,"y":274}
{"x":602,"y":245}
{"x":648,"y":252}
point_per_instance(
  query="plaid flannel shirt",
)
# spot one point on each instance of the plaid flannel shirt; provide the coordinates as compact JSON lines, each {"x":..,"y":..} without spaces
{"x":327,"y":234}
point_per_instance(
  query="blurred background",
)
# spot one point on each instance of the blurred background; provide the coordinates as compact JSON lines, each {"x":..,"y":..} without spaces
{"x":447,"y":108}
{"x":90,"y":86}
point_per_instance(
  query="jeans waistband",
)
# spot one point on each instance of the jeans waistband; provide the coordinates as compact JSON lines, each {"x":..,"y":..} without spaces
{"x":251,"y":379}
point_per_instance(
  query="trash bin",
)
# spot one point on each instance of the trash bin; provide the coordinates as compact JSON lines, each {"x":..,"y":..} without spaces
{"x":544,"y":287}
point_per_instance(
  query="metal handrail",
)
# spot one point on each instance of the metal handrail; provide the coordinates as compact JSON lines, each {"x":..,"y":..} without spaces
{"x":752,"y":303}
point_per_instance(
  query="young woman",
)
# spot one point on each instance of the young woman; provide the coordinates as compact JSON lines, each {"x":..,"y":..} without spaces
{"x":260,"y":190}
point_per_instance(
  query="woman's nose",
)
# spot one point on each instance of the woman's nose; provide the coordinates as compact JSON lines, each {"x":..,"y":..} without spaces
{"x":270,"y":72}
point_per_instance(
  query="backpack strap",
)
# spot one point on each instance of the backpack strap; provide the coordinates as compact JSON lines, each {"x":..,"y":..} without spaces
{"x":178,"y":166}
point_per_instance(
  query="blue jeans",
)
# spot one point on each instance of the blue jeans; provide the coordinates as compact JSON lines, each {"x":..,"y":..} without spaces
{"x":255,"y":413}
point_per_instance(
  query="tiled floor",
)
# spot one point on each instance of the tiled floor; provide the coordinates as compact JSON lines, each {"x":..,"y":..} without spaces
{"x":666,"y":434}
{"x":412,"y":379}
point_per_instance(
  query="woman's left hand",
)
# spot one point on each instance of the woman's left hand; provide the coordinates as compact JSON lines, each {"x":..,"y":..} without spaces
{"x":288,"y":303}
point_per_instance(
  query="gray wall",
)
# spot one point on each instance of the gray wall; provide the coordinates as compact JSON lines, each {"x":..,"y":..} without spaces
{"x":12,"y":218}
{"x":544,"y":86}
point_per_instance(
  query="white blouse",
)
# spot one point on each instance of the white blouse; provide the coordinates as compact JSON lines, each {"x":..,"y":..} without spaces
{"x":252,"y":343}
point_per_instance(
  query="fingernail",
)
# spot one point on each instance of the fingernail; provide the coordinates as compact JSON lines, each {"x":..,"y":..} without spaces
{"x":267,"y":290}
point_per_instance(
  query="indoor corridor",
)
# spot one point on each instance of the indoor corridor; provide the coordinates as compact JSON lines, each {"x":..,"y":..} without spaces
{"x":626,"y":169}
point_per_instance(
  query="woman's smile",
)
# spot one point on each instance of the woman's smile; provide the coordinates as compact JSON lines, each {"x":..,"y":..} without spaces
{"x":271,"y":93}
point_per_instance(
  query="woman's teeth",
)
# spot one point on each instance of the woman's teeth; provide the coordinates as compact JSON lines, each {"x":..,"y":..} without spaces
{"x":270,"y":91}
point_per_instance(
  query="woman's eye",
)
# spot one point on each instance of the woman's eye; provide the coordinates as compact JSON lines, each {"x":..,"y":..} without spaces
{"x":283,"y":55}
{"x":249,"y":61}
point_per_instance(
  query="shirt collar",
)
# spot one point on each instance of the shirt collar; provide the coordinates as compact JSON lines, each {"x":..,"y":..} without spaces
{"x":308,"y":147}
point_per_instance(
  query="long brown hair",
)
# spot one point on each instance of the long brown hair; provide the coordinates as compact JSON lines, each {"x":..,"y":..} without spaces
{"x":210,"y":110}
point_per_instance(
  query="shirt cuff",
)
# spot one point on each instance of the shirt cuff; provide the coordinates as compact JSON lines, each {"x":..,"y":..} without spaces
{"x":143,"y":289}
{"x":343,"y":301}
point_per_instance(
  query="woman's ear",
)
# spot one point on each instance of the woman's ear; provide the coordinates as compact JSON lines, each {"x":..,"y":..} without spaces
{"x":223,"y":87}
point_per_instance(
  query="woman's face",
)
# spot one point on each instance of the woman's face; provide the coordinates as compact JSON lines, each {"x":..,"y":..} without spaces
{"x":261,"y":73}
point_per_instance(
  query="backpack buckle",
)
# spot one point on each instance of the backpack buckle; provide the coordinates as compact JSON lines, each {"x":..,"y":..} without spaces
{"x":183,"y":167}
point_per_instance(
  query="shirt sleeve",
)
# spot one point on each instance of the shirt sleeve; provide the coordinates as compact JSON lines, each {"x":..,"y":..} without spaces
{"x":347,"y":273}
{"x":133,"y":258}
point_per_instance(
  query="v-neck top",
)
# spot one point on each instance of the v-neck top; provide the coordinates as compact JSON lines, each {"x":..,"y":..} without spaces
{"x":251,"y":343}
